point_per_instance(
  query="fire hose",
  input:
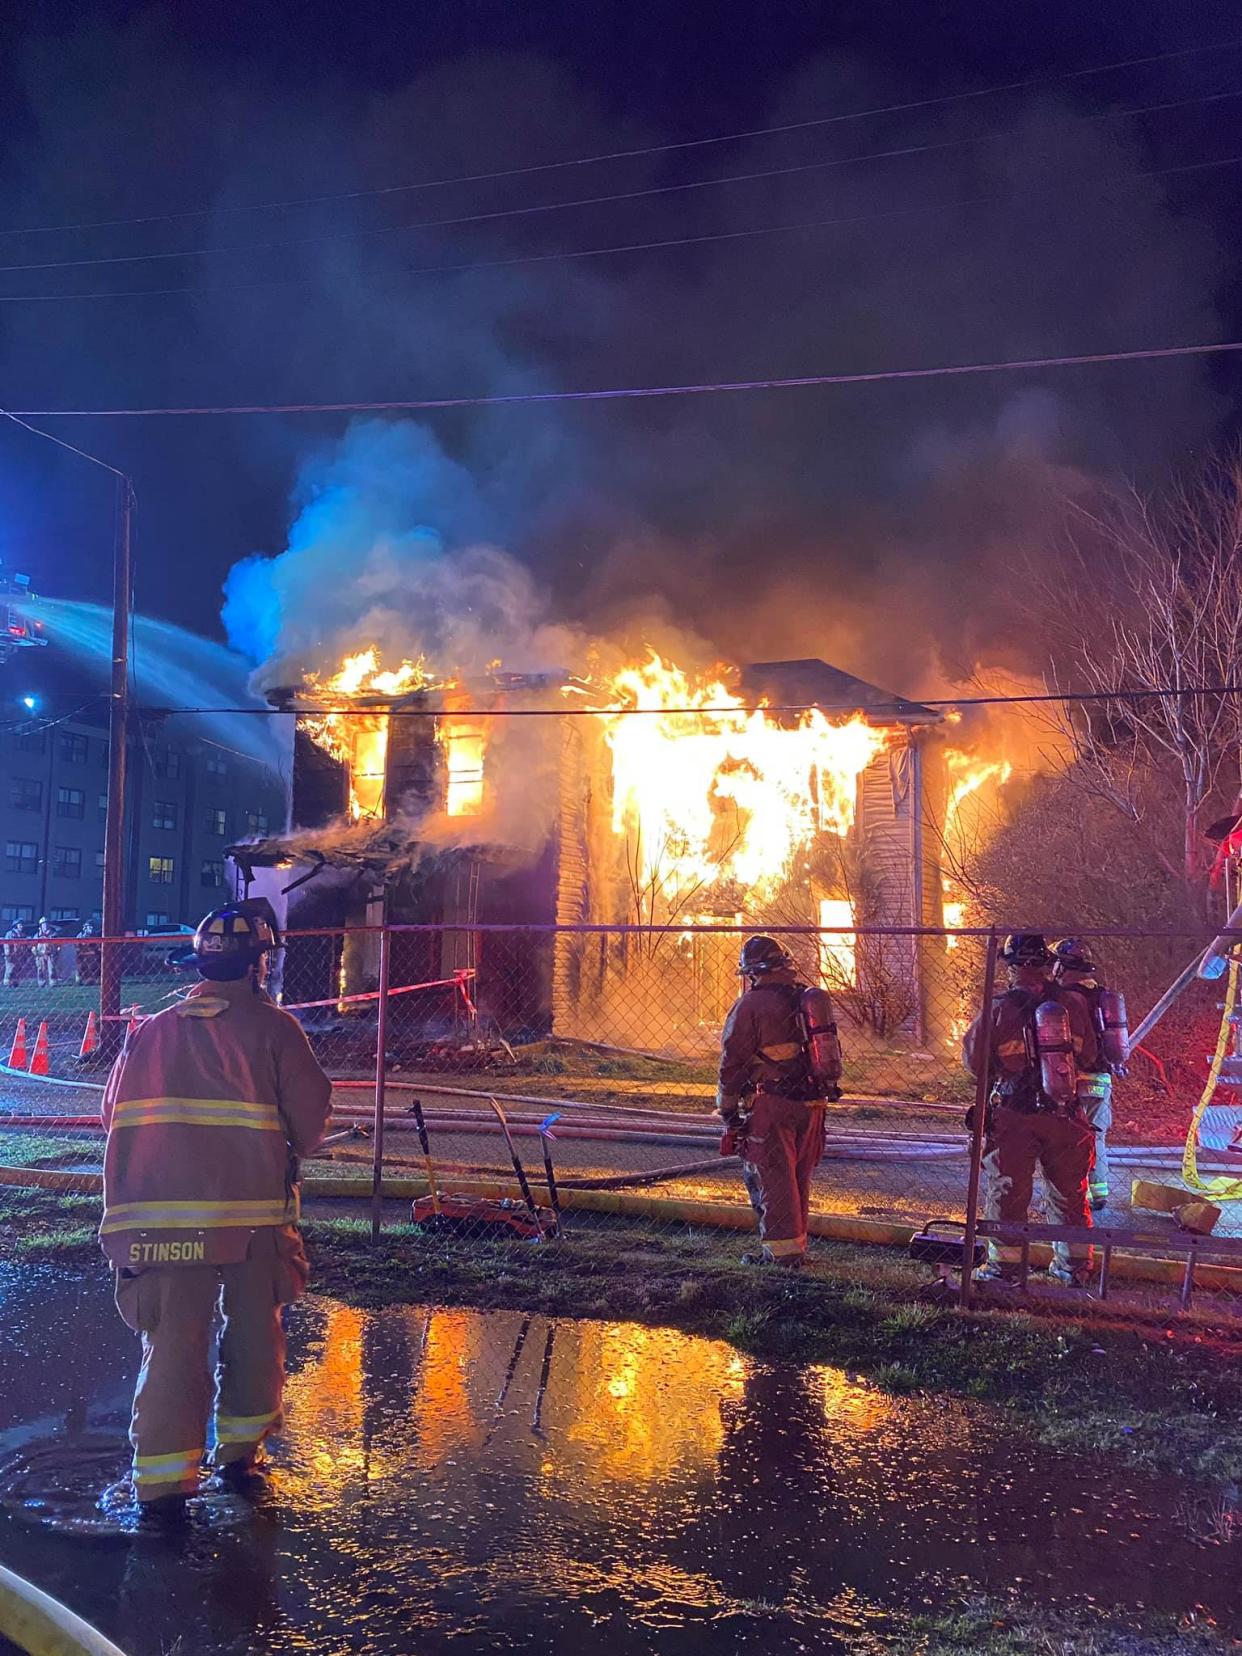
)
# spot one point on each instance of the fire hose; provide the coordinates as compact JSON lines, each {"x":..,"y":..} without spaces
{"x":607,"y":1181}
{"x":42,"y":1626}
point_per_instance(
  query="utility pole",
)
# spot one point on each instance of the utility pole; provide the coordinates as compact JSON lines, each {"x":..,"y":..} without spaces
{"x":115,"y":822}
{"x":115,"y":829}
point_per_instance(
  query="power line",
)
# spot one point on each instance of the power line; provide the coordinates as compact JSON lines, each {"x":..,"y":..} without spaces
{"x":637,"y":393}
{"x":900,"y":708}
{"x":633,"y":153}
{"x":60,"y":443}
{"x":615,"y":249}
{"x":455,"y":222}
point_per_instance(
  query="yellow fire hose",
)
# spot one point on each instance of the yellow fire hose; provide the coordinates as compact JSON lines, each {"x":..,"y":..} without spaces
{"x":42,"y":1626}
{"x":1217,"y":1186}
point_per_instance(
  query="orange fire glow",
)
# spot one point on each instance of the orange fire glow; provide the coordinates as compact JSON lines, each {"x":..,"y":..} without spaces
{"x":971,"y":780}
{"x":360,"y":740}
{"x":729,"y":797}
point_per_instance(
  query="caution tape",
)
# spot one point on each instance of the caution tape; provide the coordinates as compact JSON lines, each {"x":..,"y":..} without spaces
{"x":1220,"y":1189}
{"x":457,"y":981}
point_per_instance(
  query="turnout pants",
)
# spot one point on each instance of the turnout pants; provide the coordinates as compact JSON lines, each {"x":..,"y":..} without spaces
{"x":173,"y":1308}
{"x":1061,"y":1147}
{"x":1095,"y":1100}
{"x":783,"y":1145}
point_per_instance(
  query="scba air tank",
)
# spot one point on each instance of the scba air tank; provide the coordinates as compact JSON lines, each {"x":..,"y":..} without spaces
{"x":1054,"y":1044}
{"x":823,"y":1049}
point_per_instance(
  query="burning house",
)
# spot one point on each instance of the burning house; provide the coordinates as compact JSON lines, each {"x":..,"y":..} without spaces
{"x":631,"y":824}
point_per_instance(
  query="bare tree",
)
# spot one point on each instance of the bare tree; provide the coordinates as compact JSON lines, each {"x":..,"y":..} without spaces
{"x":1146,"y":597}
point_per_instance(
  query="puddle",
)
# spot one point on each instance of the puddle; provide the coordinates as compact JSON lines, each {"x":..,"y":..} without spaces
{"x":489,"y":1482}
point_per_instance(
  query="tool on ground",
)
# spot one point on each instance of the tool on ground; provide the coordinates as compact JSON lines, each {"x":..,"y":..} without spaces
{"x":942,"y":1243}
{"x":546,"y":1136}
{"x":518,"y":1169}
{"x":454,"y":1212}
{"x":416,"y":1109}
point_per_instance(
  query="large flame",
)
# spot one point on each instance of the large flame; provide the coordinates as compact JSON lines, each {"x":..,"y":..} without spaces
{"x":360,"y":739}
{"x":970,"y":779}
{"x":709,"y":795}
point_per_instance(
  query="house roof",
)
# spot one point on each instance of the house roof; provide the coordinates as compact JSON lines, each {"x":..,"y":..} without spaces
{"x":814,"y":683}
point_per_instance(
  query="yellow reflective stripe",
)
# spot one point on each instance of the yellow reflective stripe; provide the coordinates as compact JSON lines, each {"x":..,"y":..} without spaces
{"x":244,"y":1428}
{"x":192,"y":1215}
{"x":177,"y":1468}
{"x":780,"y":1050}
{"x":1010,"y":1049}
{"x":778,"y":1250}
{"x":197,"y":1112}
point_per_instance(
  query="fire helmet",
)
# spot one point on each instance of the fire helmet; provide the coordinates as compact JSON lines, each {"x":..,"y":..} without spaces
{"x":233,"y":939}
{"x":1073,"y":954}
{"x":1026,"y":949}
{"x":761,"y":955}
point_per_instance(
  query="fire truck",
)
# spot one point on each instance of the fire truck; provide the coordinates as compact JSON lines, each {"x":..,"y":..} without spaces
{"x":17,"y":630}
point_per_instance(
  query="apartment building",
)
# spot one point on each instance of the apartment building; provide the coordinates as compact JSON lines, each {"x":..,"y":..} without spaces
{"x":188,"y":800}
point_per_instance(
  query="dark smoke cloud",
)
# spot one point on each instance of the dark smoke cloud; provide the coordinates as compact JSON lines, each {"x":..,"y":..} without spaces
{"x":872,"y":526}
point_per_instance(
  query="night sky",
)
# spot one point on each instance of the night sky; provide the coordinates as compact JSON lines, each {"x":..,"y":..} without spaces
{"x":773,"y":524}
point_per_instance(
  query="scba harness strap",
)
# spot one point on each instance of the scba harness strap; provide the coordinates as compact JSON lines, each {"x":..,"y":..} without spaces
{"x":794,"y":1079}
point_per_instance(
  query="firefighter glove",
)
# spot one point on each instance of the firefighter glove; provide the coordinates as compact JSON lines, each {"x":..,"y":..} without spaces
{"x":728,"y":1107}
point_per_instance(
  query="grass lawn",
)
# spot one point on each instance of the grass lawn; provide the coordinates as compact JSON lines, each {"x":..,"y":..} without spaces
{"x":1153,"y":1390}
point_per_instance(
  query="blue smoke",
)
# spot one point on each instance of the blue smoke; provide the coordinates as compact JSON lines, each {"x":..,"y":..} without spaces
{"x":384,"y":548}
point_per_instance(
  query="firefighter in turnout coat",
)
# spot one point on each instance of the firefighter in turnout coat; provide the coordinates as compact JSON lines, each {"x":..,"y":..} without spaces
{"x":1076,"y":972}
{"x":769,"y":1096}
{"x":206,"y":1111}
{"x":1025,"y":1128}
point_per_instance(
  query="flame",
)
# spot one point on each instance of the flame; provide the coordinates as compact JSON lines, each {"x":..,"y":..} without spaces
{"x":360,"y":740}
{"x":709,"y":799}
{"x":968,"y":777}
{"x":838,"y":950}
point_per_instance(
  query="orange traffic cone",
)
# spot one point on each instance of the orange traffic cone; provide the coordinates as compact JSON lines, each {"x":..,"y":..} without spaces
{"x":90,"y":1036}
{"x":38,"y":1058}
{"x":18,"y":1056}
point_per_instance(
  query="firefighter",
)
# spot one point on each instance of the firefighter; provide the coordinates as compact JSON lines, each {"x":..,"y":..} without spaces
{"x":207,"y":1110}
{"x":87,"y":953}
{"x":770,"y":1096}
{"x":16,"y":955}
{"x":45,"y":955}
{"x":1075,"y":971}
{"x":1025,"y":1128}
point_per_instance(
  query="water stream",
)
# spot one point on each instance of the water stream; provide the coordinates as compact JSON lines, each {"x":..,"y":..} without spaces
{"x":485,"y":1481}
{"x":172,"y":668}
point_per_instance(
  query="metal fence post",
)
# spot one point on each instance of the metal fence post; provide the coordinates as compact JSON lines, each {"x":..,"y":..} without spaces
{"x":982,"y":1088}
{"x":381,"y":1041}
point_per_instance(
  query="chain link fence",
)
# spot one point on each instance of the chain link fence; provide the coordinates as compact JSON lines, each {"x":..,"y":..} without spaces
{"x":586,"y":1057}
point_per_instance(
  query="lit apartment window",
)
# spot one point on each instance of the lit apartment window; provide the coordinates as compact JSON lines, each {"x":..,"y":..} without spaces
{"x":160,"y":870}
